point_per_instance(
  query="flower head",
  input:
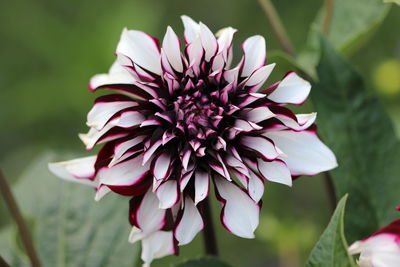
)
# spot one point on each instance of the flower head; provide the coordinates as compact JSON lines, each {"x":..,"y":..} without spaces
{"x":381,"y":249}
{"x":182,"y":119}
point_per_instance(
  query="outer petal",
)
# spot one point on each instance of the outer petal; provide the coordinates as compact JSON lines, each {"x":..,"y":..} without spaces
{"x":126,"y":173}
{"x":208,"y":41}
{"x":262,"y":145}
{"x":117,"y":75}
{"x":254,"y":54}
{"x":190,"y":224}
{"x":172,"y":49}
{"x":75,"y":170}
{"x":157,"y":245}
{"x":142,"y":49}
{"x":192,"y":29}
{"x":306,"y":154}
{"x":292,"y":89}
{"x":275,"y":171}
{"x":201,"y":185}
{"x":101,"y":112}
{"x":379,"y":250}
{"x":240,"y":214}
{"x":168,"y":195}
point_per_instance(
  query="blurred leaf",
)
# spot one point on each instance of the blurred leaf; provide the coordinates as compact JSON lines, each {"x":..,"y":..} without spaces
{"x":392,"y":1}
{"x":205,"y":261}
{"x":331,"y":249}
{"x":352,"y":23}
{"x":69,"y":227}
{"x":355,"y":125}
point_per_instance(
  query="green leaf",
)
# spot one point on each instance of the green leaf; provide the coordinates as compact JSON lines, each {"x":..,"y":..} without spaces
{"x":68,"y":227}
{"x":205,"y":261}
{"x":352,"y":24}
{"x":331,"y":248}
{"x":354,"y":124}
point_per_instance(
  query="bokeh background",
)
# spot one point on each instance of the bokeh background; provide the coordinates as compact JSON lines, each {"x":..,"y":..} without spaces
{"x":50,"y":48}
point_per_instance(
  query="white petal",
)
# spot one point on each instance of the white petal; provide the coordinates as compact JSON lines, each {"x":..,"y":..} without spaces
{"x":126,"y":120}
{"x":306,"y":154}
{"x":167,"y":193}
{"x":254,"y":54}
{"x":157,"y":245}
{"x":77,"y":170}
{"x":161,"y":166}
{"x":303,"y":121}
{"x":195,"y":53}
{"x":120,"y":149}
{"x":240,"y":213}
{"x":126,"y":173}
{"x":259,"y":77}
{"x":201,"y":185}
{"x":257,"y":114}
{"x":101,"y":192}
{"x":275,"y":171}
{"x":141,"y":48}
{"x":190,"y":224}
{"x":149,"y":216}
{"x":261,"y":145}
{"x":172,"y":49}
{"x":292,"y":89}
{"x":378,"y":250}
{"x":255,"y":187}
{"x":192,"y":29}
{"x":101,"y":112}
{"x":117,"y":75}
{"x":208,"y":41}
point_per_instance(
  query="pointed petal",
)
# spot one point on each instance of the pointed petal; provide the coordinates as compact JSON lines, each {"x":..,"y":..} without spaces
{"x":172,"y":49}
{"x":254,"y":54}
{"x":126,"y":173}
{"x":168,"y":195}
{"x":101,"y":112}
{"x":190,"y":224}
{"x":208,"y":41}
{"x":262,"y":145}
{"x":161,"y":166}
{"x":255,"y":187}
{"x":77,"y":170}
{"x":257,"y":114}
{"x":275,"y":171}
{"x":192,"y":29}
{"x":306,"y":154}
{"x":240,"y":214}
{"x":157,"y":245}
{"x":141,"y":49}
{"x":201,"y":185}
{"x":292,"y":89}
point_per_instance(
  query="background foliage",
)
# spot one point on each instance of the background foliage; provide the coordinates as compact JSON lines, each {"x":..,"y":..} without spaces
{"x":50,"y":49}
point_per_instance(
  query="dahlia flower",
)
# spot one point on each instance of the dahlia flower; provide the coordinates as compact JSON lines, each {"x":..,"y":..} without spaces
{"x":381,"y":249}
{"x":180,"y":120}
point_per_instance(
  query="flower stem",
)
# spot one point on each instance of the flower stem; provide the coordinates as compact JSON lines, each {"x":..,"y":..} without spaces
{"x":22,"y":227}
{"x":330,"y":189}
{"x":327,"y":16}
{"x":277,"y":26}
{"x":3,"y":262}
{"x":210,"y":241}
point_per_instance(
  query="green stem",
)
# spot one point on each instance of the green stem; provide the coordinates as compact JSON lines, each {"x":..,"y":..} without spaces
{"x":327,"y":16}
{"x":277,"y":26}
{"x":210,"y":241}
{"x":19,"y":220}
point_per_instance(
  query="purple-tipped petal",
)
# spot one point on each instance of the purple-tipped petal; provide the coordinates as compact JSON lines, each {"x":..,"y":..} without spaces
{"x":292,"y":90}
{"x":201,"y":185}
{"x":275,"y":171}
{"x":305,"y":153}
{"x":141,"y":49}
{"x":254,"y":54}
{"x":262,"y":145}
{"x":240,"y":214}
{"x":168,"y":194}
{"x":172,"y":49}
{"x":190,"y":224}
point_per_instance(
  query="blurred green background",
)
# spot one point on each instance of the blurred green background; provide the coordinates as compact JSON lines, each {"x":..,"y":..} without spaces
{"x":50,"y":49}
